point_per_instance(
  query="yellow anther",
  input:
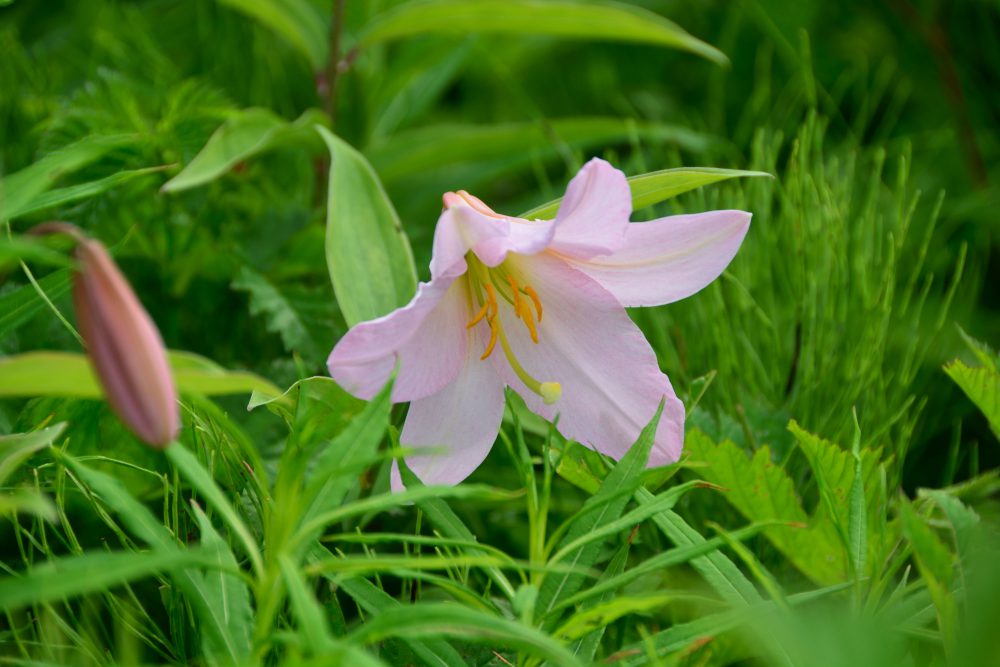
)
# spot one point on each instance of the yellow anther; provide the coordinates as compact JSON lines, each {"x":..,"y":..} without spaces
{"x":479,"y":316}
{"x":494,"y":333}
{"x":523,"y":309}
{"x":491,"y":300}
{"x":533,"y":295}
{"x":516,"y":291}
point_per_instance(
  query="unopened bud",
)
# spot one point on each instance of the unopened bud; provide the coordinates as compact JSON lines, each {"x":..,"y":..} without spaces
{"x":124,"y":345}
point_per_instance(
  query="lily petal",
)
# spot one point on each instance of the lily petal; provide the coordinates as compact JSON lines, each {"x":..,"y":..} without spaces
{"x":669,"y":259}
{"x":490,"y":236}
{"x":611,"y":382}
{"x":427,"y":337}
{"x":593,"y":216}
{"x":461,"y":422}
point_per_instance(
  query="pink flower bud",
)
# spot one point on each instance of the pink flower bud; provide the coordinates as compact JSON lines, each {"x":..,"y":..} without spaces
{"x":124,"y":346}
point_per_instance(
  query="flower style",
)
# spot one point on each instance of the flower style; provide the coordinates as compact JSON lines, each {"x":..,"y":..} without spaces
{"x":538,"y":306}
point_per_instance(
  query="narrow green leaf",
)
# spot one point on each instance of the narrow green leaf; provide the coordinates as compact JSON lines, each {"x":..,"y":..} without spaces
{"x":94,"y":572}
{"x":218,"y":642}
{"x":311,"y":621}
{"x":424,"y":620}
{"x":656,"y":186}
{"x":471,"y":154}
{"x":586,"y":647}
{"x":73,"y":193}
{"x":247,"y":133}
{"x":17,"y":448}
{"x":20,"y":306}
{"x":225,"y":591}
{"x":434,"y":652}
{"x":857,"y":531}
{"x":596,"y":20}
{"x":29,"y":249}
{"x":715,"y":567}
{"x":198,"y":477}
{"x":367,"y":253}
{"x":626,"y":474}
{"x":70,"y":374}
{"x":19,"y":189}
{"x":446,"y":522}
{"x":936,"y":565}
{"x":296,"y":21}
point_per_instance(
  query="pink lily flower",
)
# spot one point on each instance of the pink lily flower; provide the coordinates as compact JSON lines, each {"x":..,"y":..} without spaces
{"x":538,"y":306}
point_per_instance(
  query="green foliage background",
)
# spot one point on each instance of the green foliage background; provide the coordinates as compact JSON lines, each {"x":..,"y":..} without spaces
{"x":833,"y":375}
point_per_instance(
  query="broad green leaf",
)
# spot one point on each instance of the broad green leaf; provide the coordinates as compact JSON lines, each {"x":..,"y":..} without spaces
{"x":17,"y":448}
{"x":296,"y":21}
{"x":139,"y":520}
{"x":610,"y":501}
{"x":656,"y":186}
{"x":69,"y":374}
{"x":225,"y":591}
{"x":762,"y":491}
{"x":423,"y":620}
{"x":21,"y":305}
{"x":597,"y":20}
{"x":714,"y":566}
{"x":964,"y":521}
{"x":982,"y":386}
{"x":93,"y":572}
{"x":434,"y":652}
{"x":367,"y":253}
{"x":73,"y":193}
{"x":247,"y":133}
{"x":470,"y":154}
{"x":20,"y":189}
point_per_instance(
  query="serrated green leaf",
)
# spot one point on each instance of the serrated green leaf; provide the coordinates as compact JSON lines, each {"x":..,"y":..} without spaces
{"x":280,"y":315}
{"x":247,"y":133}
{"x":70,"y":374}
{"x":367,"y":252}
{"x":656,"y":186}
{"x":762,"y":491}
{"x":936,"y":565}
{"x":982,"y":386}
{"x":557,"y":18}
{"x":296,"y":21}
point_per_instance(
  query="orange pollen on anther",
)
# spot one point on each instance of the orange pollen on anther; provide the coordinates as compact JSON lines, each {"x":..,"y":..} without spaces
{"x":479,"y":316}
{"x":516,"y":291}
{"x":494,"y":334}
{"x":524,"y":311}
{"x":533,"y":295}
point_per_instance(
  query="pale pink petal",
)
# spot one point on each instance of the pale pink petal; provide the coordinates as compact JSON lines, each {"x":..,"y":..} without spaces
{"x":594,"y":214}
{"x":491,"y":237}
{"x":611,"y":382}
{"x":427,"y":337}
{"x":458,"y":424}
{"x":669,"y":259}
